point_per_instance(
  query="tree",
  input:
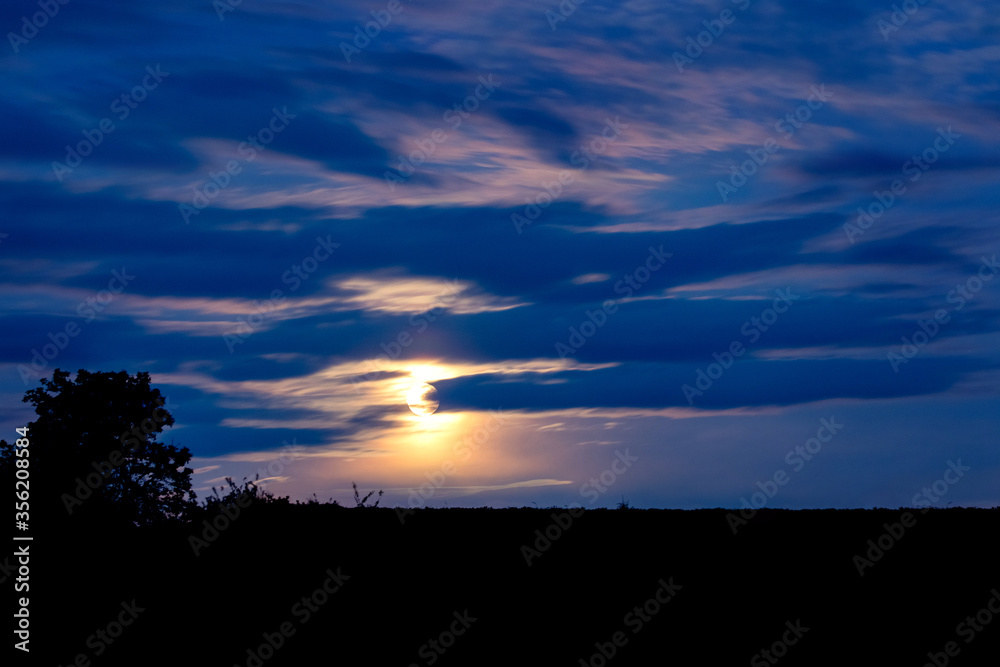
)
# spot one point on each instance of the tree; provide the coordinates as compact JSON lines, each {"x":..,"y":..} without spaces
{"x":94,"y":453}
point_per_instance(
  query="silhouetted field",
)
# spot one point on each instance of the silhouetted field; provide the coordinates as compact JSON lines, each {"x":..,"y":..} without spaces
{"x":787,"y":583}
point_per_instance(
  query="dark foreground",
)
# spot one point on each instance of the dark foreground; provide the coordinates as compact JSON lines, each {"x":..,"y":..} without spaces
{"x":321,"y":585}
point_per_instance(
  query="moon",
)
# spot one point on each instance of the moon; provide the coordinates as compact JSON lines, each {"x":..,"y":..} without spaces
{"x":423,"y":399}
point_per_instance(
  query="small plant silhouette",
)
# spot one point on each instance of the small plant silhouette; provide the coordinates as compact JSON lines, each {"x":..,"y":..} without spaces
{"x":316,"y":501}
{"x":250,"y":490}
{"x":624,"y":504}
{"x":360,"y":502}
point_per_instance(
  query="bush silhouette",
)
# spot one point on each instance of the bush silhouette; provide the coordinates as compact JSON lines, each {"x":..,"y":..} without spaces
{"x":315,"y":501}
{"x":250,"y":492}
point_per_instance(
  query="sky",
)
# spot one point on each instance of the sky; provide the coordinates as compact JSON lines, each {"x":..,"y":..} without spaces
{"x":693,"y":254}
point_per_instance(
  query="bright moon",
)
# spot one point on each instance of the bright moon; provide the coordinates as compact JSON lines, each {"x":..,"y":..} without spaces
{"x":423,"y":399}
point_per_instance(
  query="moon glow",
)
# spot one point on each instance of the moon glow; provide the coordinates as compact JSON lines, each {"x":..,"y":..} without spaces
{"x":422,"y":399}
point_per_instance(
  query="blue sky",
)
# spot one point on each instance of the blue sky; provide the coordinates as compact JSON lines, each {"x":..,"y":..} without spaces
{"x":675,"y":234}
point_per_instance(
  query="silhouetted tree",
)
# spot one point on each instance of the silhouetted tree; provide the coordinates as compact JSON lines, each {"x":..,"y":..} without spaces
{"x":94,"y":453}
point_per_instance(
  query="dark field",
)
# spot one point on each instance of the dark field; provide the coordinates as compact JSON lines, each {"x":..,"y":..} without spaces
{"x":453,"y":587}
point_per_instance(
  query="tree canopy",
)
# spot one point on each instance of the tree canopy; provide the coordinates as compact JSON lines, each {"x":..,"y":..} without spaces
{"x":95,"y":455}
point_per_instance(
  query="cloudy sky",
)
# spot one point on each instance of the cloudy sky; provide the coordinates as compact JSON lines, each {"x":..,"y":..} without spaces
{"x":665,"y":251}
